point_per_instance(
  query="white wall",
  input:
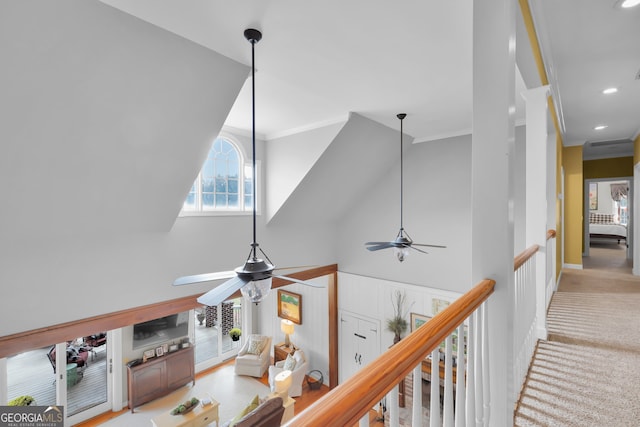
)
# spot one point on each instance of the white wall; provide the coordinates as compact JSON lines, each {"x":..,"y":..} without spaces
{"x":372,"y":298}
{"x":605,"y":202}
{"x":312,"y":336}
{"x":520,"y":191}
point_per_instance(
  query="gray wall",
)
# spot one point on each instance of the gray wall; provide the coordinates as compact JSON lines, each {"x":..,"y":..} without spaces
{"x":436,"y":211}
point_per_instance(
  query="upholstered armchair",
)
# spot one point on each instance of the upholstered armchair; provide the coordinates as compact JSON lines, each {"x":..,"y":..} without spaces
{"x":298,"y":372}
{"x":254,"y":357}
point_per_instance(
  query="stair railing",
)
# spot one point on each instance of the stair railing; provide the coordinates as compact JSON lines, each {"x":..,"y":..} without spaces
{"x":352,"y":400}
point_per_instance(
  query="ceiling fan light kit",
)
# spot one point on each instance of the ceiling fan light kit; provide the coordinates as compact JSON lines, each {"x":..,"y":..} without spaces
{"x":254,"y":278}
{"x":402,"y":244}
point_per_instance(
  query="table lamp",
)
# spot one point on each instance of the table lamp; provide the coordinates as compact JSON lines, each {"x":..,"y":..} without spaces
{"x":283,"y":383}
{"x":286,"y":326}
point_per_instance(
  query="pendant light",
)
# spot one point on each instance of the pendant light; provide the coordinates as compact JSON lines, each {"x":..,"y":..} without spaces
{"x":402,"y":244}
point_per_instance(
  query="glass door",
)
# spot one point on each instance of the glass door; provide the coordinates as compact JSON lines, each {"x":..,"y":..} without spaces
{"x":88,"y":386}
{"x":213,"y":344}
{"x":74,"y":374}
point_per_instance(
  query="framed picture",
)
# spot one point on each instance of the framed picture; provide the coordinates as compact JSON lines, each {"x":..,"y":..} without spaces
{"x":159,"y":351}
{"x":437,"y":305}
{"x":593,"y":196}
{"x":290,"y":306}
{"x":418,"y":320}
{"x":173,"y":347}
{"x":149,"y":354}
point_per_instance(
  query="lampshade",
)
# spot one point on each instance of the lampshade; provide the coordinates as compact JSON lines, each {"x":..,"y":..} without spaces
{"x":256,"y":290}
{"x":287,"y":327}
{"x":283,"y":383}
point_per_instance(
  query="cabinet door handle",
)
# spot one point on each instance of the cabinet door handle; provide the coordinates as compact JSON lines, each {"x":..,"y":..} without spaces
{"x":360,"y":336}
{"x":355,"y":359}
{"x":360,"y":359}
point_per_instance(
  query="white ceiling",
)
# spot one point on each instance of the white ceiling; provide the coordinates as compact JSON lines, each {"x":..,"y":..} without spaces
{"x":318,"y":61}
{"x":588,"y":46}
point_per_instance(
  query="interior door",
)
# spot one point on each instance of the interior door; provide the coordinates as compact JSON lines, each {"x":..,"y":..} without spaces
{"x":359,"y":343}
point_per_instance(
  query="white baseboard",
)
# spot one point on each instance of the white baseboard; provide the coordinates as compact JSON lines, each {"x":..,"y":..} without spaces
{"x":573,"y":266}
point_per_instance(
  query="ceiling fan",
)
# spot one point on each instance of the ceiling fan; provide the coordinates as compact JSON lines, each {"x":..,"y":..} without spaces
{"x":402,"y":243}
{"x":254,"y":277}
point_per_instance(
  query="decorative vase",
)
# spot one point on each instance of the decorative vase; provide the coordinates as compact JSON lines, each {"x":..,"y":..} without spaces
{"x":235,"y":337}
{"x":396,"y":338}
{"x":200,"y":317}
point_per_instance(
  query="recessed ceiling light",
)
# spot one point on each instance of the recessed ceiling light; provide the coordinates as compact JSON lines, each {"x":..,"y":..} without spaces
{"x":600,"y":127}
{"x":610,"y":90}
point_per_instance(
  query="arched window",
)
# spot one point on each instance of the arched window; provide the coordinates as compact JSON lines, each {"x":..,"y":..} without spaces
{"x":224,"y":182}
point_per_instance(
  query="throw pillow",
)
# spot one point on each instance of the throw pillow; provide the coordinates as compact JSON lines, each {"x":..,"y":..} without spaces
{"x":255,"y":402}
{"x":289,"y":363}
{"x":299,"y":357}
{"x":255,"y":346}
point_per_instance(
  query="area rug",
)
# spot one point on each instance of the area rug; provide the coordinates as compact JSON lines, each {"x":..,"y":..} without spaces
{"x":232,"y":391}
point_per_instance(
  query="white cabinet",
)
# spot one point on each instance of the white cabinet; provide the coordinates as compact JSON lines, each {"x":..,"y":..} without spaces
{"x":359,"y":343}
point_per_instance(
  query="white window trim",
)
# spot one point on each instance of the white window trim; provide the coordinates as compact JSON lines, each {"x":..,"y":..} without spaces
{"x":230,"y":212}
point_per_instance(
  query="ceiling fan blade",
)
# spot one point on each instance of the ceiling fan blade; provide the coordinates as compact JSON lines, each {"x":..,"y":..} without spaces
{"x":419,"y":250}
{"x":383,"y":245}
{"x":198,"y":278}
{"x":220,"y":293}
{"x":376,"y":243}
{"x":431,"y":246}
{"x":302,"y":282}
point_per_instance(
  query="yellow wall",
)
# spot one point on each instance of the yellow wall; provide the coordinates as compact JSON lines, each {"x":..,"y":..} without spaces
{"x":573,"y":204}
{"x":636,"y":150}
{"x":608,"y":168}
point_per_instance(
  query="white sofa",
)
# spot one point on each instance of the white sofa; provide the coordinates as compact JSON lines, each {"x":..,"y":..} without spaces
{"x":298,"y":373}
{"x":250,"y":362}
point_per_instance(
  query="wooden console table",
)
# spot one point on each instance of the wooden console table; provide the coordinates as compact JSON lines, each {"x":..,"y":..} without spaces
{"x":200,"y":416}
{"x":160,"y":376}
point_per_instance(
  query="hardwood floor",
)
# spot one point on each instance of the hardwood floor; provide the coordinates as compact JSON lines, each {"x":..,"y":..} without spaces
{"x":307,"y":398}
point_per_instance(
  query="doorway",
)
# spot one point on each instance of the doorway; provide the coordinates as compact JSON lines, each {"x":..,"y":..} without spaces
{"x":608,"y":224}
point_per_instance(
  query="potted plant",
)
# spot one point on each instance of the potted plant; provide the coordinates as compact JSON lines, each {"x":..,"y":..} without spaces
{"x":21,"y":401}
{"x":235,"y":333}
{"x":398,"y":323}
{"x":200,"y":315}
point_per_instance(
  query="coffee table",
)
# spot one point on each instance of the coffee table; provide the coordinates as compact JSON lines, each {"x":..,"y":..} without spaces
{"x":200,"y":416}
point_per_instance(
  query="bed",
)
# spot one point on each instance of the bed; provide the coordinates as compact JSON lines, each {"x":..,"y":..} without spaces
{"x":603,"y":226}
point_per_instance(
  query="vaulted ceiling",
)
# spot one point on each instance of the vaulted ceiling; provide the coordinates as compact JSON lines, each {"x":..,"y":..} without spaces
{"x":320,"y":60}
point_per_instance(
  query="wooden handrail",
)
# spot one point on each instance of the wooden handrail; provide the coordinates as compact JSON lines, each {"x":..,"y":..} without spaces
{"x":351,"y":400}
{"x":524,"y":256}
{"x":551,"y":234}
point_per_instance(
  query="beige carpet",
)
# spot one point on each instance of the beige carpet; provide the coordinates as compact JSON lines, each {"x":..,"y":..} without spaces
{"x":588,"y":372}
{"x":233,"y":392}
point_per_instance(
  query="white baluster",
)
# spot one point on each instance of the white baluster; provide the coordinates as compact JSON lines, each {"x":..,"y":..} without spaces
{"x":392,"y":406}
{"x":417,"y":397}
{"x":478,"y":368}
{"x":471,"y":373}
{"x":448,"y":383}
{"x":364,"y":421}
{"x":460,"y":376}
{"x":486,"y":392}
{"x":434,"y":408}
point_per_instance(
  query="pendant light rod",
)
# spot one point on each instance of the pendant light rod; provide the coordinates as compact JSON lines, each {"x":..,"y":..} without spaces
{"x":253,"y":36}
{"x":401,"y":116}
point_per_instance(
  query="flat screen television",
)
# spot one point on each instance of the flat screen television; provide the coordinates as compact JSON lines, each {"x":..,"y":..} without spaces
{"x":161,"y":330}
